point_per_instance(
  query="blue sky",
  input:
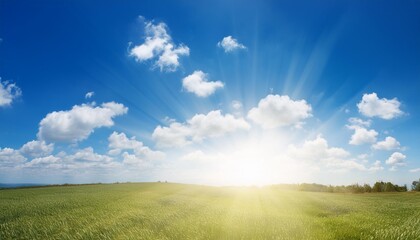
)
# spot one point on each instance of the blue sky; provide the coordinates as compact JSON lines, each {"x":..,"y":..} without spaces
{"x":217,"y":92}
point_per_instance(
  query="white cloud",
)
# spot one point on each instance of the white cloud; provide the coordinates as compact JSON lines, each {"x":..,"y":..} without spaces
{"x":277,"y":111}
{"x":88,"y":155}
{"x":81,"y":159}
{"x":169,"y":59}
{"x":79,"y":122}
{"x":37,"y":148}
{"x":158,"y":44}
{"x":37,"y":162}
{"x":134,"y":160}
{"x":198,"y":128}
{"x":415,"y":170}
{"x":215,"y":124}
{"x":317,"y":152}
{"x":359,"y":122}
{"x":8,"y":92}
{"x":230,"y":44}
{"x":362,"y":135}
{"x":174,"y":135}
{"x":131,"y":159}
{"x":389,"y":143}
{"x":198,"y":84}
{"x":10,"y":157}
{"x":119,"y":142}
{"x":376,"y":166}
{"x":372,"y":106}
{"x":317,"y":149}
{"x":396,"y":159}
{"x":89,"y":95}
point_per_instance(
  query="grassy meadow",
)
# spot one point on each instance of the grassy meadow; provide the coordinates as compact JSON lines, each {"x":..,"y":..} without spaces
{"x":178,"y":211}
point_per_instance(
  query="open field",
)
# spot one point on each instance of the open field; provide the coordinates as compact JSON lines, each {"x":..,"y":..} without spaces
{"x":177,"y":211}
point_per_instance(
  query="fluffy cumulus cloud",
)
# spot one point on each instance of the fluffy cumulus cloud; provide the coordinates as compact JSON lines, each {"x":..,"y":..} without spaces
{"x":8,"y":92}
{"x":89,"y":155}
{"x":372,"y":106}
{"x":388,"y":144}
{"x":199,"y":84}
{"x":396,"y":159}
{"x":215,"y":124}
{"x":175,"y":134}
{"x":10,"y":157}
{"x":277,"y":111}
{"x":230,"y":44}
{"x":158,"y":46}
{"x":362,"y":136}
{"x":79,"y":122}
{"x":37,"y":148}
{"x":198,"y":128}
{"x":119,"y":142}
{"x":318,"y":152}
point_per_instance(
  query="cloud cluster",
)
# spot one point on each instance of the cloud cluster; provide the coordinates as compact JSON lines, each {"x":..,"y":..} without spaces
{"x":230,"y":44}
{"x":40,"y":156}
{"x":10,"y":157}
{"x":372,"y":106}
{"x":198,"y":128}
{"x":8,"y":92}
{"x":33,"y":149}
{"x":158,"y":45}
{"x":277,"y":111}
{"x":119,"y":142}
{"x":79,"y":122}
{"x":84,"y":159}
{"x":317,"y":151}
{"x":198,"y":83}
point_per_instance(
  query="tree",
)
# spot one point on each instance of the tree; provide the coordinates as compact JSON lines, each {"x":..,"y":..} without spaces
{"x":377,"y":187}
{"x":416,"y":185}
{"x":367,"y":188}
{"x":389,"y":187}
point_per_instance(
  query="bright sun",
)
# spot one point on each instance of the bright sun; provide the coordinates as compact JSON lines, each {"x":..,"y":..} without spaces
{"x":256,"y":161}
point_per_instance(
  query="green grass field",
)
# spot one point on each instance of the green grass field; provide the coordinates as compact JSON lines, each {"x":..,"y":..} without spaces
{"x":177,"y":211}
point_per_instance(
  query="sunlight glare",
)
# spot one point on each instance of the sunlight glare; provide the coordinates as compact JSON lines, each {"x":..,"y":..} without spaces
{"x":257,"y":161}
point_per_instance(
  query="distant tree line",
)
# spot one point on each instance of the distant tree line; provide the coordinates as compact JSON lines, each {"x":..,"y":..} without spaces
{"x":354,"y":188}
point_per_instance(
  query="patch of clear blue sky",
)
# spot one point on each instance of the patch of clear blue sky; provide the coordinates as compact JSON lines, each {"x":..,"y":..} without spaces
{"x":327,"y":52}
